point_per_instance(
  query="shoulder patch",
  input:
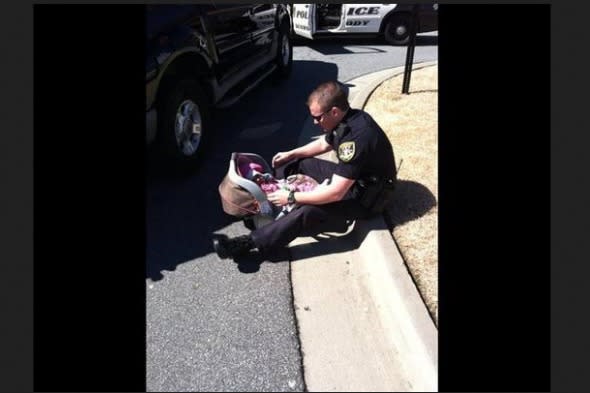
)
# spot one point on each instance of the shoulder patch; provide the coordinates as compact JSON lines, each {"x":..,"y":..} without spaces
{"x":346,"y":151}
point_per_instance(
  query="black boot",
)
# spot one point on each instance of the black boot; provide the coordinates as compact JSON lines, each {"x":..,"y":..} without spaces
{"x":226,"y":247}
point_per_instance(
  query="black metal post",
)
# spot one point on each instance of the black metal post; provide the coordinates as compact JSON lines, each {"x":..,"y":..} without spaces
{"x":410,"y":51}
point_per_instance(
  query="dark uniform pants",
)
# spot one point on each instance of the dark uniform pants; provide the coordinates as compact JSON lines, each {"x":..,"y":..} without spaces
{"x":306,"y":218}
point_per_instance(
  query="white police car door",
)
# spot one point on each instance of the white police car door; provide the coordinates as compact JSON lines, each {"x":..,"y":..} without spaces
{"x":304,"y":20}
{"x":364,"y":18}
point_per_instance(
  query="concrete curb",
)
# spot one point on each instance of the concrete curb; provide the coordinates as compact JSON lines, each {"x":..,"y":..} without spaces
{"x":408,"y":359}
{"x":400,"y":303}
{"x":389,"y":270}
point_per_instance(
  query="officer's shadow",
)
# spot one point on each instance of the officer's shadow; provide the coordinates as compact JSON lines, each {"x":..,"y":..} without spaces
{"x":412,"y":200}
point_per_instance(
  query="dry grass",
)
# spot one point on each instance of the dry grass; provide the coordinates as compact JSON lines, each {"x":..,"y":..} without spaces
{"x":411,"y":123}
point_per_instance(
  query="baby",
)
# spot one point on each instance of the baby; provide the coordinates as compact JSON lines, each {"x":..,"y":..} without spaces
{"x":269,"y":184}
{"x":298,"y":182}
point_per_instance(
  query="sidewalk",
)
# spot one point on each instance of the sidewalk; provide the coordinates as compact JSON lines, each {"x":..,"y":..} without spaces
{"x":362,"y":323}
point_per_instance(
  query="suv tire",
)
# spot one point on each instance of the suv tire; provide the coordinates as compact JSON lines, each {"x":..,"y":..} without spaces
{"x":183,"y":125}
{"x":284,"y":58}
{"x":397,"y":29}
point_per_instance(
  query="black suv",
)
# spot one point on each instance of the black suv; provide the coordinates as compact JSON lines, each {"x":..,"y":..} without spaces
{"x":200,"y":56}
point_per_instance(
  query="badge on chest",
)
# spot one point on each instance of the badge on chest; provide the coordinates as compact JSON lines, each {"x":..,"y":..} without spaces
{"x":346,"y":151}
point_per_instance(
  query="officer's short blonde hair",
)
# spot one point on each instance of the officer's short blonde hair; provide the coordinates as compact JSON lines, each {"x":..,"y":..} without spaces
{"x":330,"y":94}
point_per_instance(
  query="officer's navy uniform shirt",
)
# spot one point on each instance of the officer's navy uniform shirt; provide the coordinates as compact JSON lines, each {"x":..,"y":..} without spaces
{"x":363,"y":151}
{"x":362,"y":147}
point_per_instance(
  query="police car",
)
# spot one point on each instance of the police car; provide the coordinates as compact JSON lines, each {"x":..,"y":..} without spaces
{"x":391,"y":20}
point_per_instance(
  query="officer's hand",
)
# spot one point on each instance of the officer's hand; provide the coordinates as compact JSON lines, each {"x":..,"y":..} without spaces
{"x":279,"y":197}
{"x":281,"y":158}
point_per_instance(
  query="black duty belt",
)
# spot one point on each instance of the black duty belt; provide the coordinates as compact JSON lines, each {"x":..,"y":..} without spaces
{"x":375,"y":193}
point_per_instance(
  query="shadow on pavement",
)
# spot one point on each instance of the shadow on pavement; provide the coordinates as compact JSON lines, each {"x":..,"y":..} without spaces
{"x":326,"y":246}
{"x":250,"y":263}
{"x":331,"y":238}
{"x":336,"y":45}
{"x":412,"y":200}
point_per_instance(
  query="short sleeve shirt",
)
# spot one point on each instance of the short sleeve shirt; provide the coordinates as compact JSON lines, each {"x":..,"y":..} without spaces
{"x":362,"y":147}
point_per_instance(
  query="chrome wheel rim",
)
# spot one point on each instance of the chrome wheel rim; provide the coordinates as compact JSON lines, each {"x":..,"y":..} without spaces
{"x":401,"y":30}
{"x":188,"y":127}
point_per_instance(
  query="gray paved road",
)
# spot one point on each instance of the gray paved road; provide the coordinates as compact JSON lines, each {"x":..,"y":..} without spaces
{"x":359,"y":56}
{"x":217,"y":325}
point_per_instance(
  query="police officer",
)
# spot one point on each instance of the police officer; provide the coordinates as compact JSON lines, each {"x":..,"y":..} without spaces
{"x":365,"y":160}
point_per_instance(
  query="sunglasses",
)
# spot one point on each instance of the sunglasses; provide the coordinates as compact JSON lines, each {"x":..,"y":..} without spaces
{"x":319,"y":117}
